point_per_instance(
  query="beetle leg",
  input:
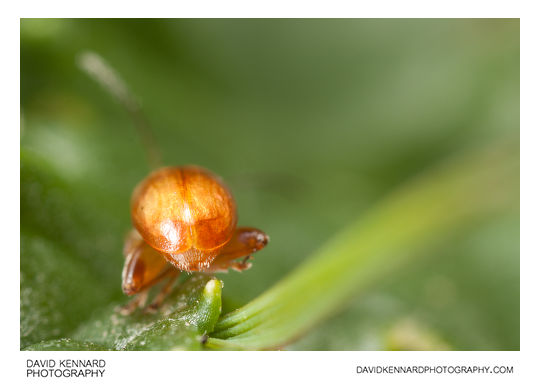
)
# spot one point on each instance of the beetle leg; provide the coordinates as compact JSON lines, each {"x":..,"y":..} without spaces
{"x":137,"y":302}
{"x":143,"y":267}
{"x":165,"y":290}
{"x":244,"y":242}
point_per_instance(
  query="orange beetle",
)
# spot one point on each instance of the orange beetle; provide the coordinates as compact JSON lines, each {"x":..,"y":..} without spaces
{"x":184,"y":217}
{"x":185,"y":220}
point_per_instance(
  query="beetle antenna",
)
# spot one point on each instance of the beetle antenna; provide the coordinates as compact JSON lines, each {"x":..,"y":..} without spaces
{"x":99,"y":70}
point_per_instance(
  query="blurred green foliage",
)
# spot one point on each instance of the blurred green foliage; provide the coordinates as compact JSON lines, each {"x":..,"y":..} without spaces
{"x":310,"y":122}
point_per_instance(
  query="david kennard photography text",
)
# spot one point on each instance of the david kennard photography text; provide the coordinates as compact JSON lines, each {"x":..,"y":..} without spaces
{"x":65,"y":368}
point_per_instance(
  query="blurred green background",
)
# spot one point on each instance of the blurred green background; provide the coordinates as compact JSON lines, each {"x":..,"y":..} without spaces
{"x":309,"y":122}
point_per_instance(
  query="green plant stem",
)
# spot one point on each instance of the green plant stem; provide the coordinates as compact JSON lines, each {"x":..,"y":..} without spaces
{"x":467,"y":188}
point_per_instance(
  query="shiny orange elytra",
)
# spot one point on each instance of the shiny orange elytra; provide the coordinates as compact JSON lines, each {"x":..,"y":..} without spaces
{"x":185,"y":220}
{"x":185,"y":212}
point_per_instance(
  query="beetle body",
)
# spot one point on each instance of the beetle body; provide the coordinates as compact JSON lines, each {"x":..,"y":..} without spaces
{"x":186,"y":213}
{"x":185,"y":220}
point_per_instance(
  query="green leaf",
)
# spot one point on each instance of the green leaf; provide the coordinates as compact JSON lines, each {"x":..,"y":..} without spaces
{"x":65,"y":345}
{"x":430,"y":208}
{"x":62,"y":278}
{"x":189,"y":312}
